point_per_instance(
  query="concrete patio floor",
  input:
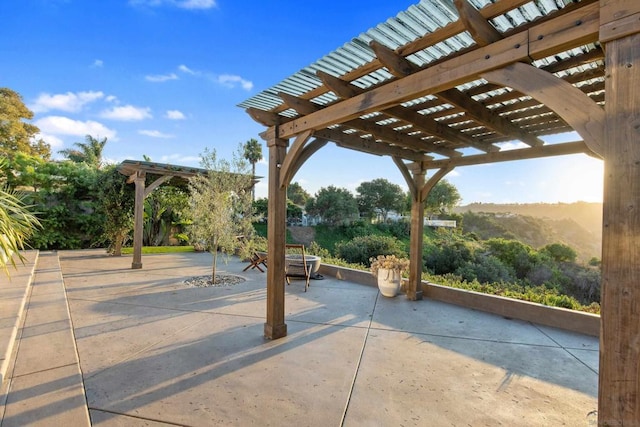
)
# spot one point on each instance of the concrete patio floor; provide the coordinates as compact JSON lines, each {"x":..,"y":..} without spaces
{"x":152,"y":351}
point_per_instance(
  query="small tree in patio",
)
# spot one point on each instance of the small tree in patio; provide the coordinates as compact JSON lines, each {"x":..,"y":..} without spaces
{"x":221,"y":206}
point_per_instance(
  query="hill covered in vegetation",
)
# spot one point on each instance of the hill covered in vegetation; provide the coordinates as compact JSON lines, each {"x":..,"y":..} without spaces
{"x":578,"y":225}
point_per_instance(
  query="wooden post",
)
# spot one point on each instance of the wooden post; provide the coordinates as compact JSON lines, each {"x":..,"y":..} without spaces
{"x":619,"y":375}
{"x":414,"y":288}
{"x":275,"y":327}
{"x":139,"y":179}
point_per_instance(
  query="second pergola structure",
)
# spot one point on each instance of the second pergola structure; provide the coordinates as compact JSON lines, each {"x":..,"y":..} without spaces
{"x":442,"y":85}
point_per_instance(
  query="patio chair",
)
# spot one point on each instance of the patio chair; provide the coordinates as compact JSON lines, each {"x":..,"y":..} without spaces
{"x":256,"y":260}
{"x":296,"y":265}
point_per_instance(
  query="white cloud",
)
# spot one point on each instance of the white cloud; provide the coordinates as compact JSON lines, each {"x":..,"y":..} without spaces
{"x":127,"y":113}
{"x":52,"y":140}
{"x":196,"y":4}
{"x":182,"y":4}
{"x":231,"y":81}
{"x":160,"y":78}
{"x":226,"y":80}
{"x":154,"y":133}
{"x":69,"y":102}
{"x":58,"y":125}
{"x":186,"y":69}
{"x":174,"y":115}
{"x":111,"y":98}
{"x":98,"y":63}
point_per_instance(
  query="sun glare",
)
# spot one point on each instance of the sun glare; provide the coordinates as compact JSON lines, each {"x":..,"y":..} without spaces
{"x":580,"y":180}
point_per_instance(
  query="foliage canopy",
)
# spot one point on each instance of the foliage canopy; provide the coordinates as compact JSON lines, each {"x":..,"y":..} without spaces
{"x":379,"y":197}
{"x":334,"y":205}
{"x":89,"y":152}
{"x":17,"y":136}
{"x":443,"y":197}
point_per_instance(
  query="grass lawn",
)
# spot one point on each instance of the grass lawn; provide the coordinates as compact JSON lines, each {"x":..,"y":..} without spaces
{"x":159,"y":249}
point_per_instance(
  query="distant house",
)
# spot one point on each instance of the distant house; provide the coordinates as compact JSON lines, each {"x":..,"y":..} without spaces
{"x":440,"y":223}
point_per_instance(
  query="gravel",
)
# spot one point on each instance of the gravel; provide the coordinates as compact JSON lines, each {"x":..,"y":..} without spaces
{"x":222,"y":281}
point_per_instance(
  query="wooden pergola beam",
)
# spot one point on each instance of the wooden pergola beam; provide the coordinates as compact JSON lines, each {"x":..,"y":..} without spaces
{"x":265,"y":118}
{"x":290,"y":164}
{"x":309,"y":150}
{"x":576,"y":108}
{"x":477,"y":25}
{"x":138,"y":217}
{"x":339,"y":87}
{"x":275,"y":326}
{"x":550,"y":150}
{"x":367,"y":145}
{"x":302,"y":106}
{"x":397,"y":64}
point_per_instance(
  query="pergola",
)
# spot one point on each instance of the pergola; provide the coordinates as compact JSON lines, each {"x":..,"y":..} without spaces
{"x":137,"y":171}
{"x":442,"y":85}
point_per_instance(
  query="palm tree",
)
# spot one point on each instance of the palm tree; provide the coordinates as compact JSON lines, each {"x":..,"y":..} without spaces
{"x":89,"y":152}
{"x":253,"y":153}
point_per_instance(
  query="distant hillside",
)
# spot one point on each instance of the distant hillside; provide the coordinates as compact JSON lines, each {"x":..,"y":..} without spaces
{"x":578,"y":225}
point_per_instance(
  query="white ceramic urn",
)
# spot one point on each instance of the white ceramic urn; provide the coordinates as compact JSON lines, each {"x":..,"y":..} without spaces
{"x":389,"y":282}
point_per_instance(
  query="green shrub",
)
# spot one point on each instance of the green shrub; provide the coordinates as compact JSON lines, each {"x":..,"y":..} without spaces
{"x":560,"y":252}
{"x":447,"y":256}
{"x":520,"y":256}
{"x":486,"y":269}
{"x":360,"y":249}
{"x":398,"y":229}
{"x":316,"y":249}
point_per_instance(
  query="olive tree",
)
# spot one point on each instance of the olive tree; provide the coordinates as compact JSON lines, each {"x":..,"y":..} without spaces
{"x":221,"y":206}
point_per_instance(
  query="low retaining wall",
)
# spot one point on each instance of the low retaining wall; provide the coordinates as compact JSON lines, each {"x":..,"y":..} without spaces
{"x":562,"y":318}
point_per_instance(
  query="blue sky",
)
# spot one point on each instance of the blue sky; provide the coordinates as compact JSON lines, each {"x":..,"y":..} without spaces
{"x":162,"y":78}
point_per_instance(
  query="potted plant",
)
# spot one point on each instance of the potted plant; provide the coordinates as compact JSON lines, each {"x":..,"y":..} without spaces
{"x":388,"y":269}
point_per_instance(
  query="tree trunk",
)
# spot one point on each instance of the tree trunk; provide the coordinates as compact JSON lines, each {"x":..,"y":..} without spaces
{"x":117,"y":244}
{"x":253,"y":184}
{"x":215,"y":260}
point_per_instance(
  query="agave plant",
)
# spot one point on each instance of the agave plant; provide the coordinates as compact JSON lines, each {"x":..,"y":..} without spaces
{"x":17,"y":224}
